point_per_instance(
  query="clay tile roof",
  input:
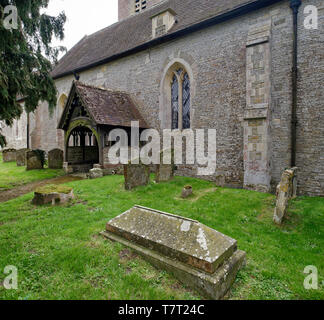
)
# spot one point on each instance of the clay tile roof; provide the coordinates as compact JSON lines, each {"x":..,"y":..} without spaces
{"x":135,"y":31}
{"x":109,"y":107}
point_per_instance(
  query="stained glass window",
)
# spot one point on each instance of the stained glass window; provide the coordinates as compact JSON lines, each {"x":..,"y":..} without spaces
{"x":186,"y":102}
{"x":175,"y":102}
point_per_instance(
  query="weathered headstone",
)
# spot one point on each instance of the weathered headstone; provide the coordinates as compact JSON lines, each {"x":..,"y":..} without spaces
{"x":33,"y":160}
{"x":136,"y":175}
{"x":52,"y":194}
{"x":186,"y":192}
{"x":165,"y":170}
{"x":286,"y":190}
{"x":197,"y":255}
{"x":55,"y":159}
{"x":9,"y":155}
{"x":96,"y":173}
{"x":21,"y":157}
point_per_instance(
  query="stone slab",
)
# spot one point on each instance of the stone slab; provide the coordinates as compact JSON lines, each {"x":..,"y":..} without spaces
{"x":9,"y":155}
{"x":55,"y":195}
{"x":32,"y":161}
{"x":164,"y":172}
{"x":213,"y":286}
{"x":136,"y":175}
{"x":55,"y":159}
{"x":185,"y":240}
{"x":21,"y":157}
{"x":286,"y":190}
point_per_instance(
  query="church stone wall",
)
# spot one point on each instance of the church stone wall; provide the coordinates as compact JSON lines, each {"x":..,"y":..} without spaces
{"x":310,"y":109}
{"x":218,"y":59}
{"x":16,"y":135}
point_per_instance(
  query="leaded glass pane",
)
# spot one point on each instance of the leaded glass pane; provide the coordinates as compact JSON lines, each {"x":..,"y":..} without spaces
{"x":175,"y":102}
{"x":186,"y":102}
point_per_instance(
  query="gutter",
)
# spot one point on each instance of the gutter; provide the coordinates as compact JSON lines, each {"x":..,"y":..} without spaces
{"x":240,"y":11}
{"x":294,"y":5}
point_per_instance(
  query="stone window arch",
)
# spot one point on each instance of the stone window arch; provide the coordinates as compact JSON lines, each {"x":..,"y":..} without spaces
{"x":176,"y":97}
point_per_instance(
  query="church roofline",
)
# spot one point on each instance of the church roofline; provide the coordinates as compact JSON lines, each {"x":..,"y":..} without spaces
{"x":225,"y":16}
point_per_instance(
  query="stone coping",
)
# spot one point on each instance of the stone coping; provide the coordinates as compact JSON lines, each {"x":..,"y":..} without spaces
{"x":185,"y":240}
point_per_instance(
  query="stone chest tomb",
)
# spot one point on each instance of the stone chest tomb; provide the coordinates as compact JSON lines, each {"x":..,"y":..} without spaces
{"x":197,"y":255}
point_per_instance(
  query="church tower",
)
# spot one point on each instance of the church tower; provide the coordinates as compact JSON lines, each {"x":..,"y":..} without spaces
{"x":127,"y":8}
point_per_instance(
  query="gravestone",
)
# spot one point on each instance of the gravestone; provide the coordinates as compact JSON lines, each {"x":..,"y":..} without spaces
{"x":286,"y":190}
{"x":96,"y":173}
{"x":21,"y":157}
{"x":197,"y":255}
{"x":52,"y":194}
{"x":136,"y":175}
{"x":33,"y":161}
{"x":164,"y":171}
{"x":55,"y":159}
{"x":9,"y":155}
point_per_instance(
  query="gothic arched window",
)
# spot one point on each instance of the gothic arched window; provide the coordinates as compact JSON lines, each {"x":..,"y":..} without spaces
{"x":175,"y":102}
{"x":180,"y":100}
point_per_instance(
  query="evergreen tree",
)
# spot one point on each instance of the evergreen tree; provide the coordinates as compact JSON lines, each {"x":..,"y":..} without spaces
{"x":27,"y":57}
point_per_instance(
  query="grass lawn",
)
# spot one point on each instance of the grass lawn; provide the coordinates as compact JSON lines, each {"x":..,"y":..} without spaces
{"x":12,"y":176}
{"x":59,"y":254}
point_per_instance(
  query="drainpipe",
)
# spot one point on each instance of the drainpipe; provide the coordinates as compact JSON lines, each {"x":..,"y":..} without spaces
{"x":294,"y":5}
{"x":27,"y":130}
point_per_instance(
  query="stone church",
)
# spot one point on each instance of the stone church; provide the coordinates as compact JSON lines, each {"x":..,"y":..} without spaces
{"x":249,"y":69}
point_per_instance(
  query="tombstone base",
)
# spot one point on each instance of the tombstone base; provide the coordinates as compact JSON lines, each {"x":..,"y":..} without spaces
{"x":214,"y":286}
{"x":52,"y":195}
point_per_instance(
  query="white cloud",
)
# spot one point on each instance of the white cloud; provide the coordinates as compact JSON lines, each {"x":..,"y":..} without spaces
{"x":83,"y":17}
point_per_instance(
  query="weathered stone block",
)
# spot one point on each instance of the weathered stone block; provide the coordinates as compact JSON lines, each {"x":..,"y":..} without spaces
{"x":33,"y":160}
{"x":136,"y":175}
{"x":55,"y":159}
{"x":9,"y":155}
{"x":96,"y":173}
{"x":53,"y":194}
{"x":286,"y":190}
{"x":21,"y":157}
{"x":186,"y":192}
{"x":199,"y":256}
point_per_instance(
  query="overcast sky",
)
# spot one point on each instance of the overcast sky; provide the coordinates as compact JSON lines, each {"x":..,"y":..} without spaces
{"x":83,"y":17}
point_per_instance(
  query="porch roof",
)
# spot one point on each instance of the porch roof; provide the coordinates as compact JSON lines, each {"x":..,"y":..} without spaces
{"x":105,"y":107}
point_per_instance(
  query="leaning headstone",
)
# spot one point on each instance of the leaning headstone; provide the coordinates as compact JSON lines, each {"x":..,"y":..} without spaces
{"x":186,"y":192}
{"x":136,"y":175}
{"x":286,"y":190}
{"x":197,"y":255}
{"x":96,"y":173}
{"x":52,"y":194}
{"x":33,"y":160}
{"x":55,"y":159}
{"x":21,"y":157}
{"x":9,"y":155}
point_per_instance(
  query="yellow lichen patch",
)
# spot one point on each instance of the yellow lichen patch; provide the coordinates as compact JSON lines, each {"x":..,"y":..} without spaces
{"x":54,"y":189}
